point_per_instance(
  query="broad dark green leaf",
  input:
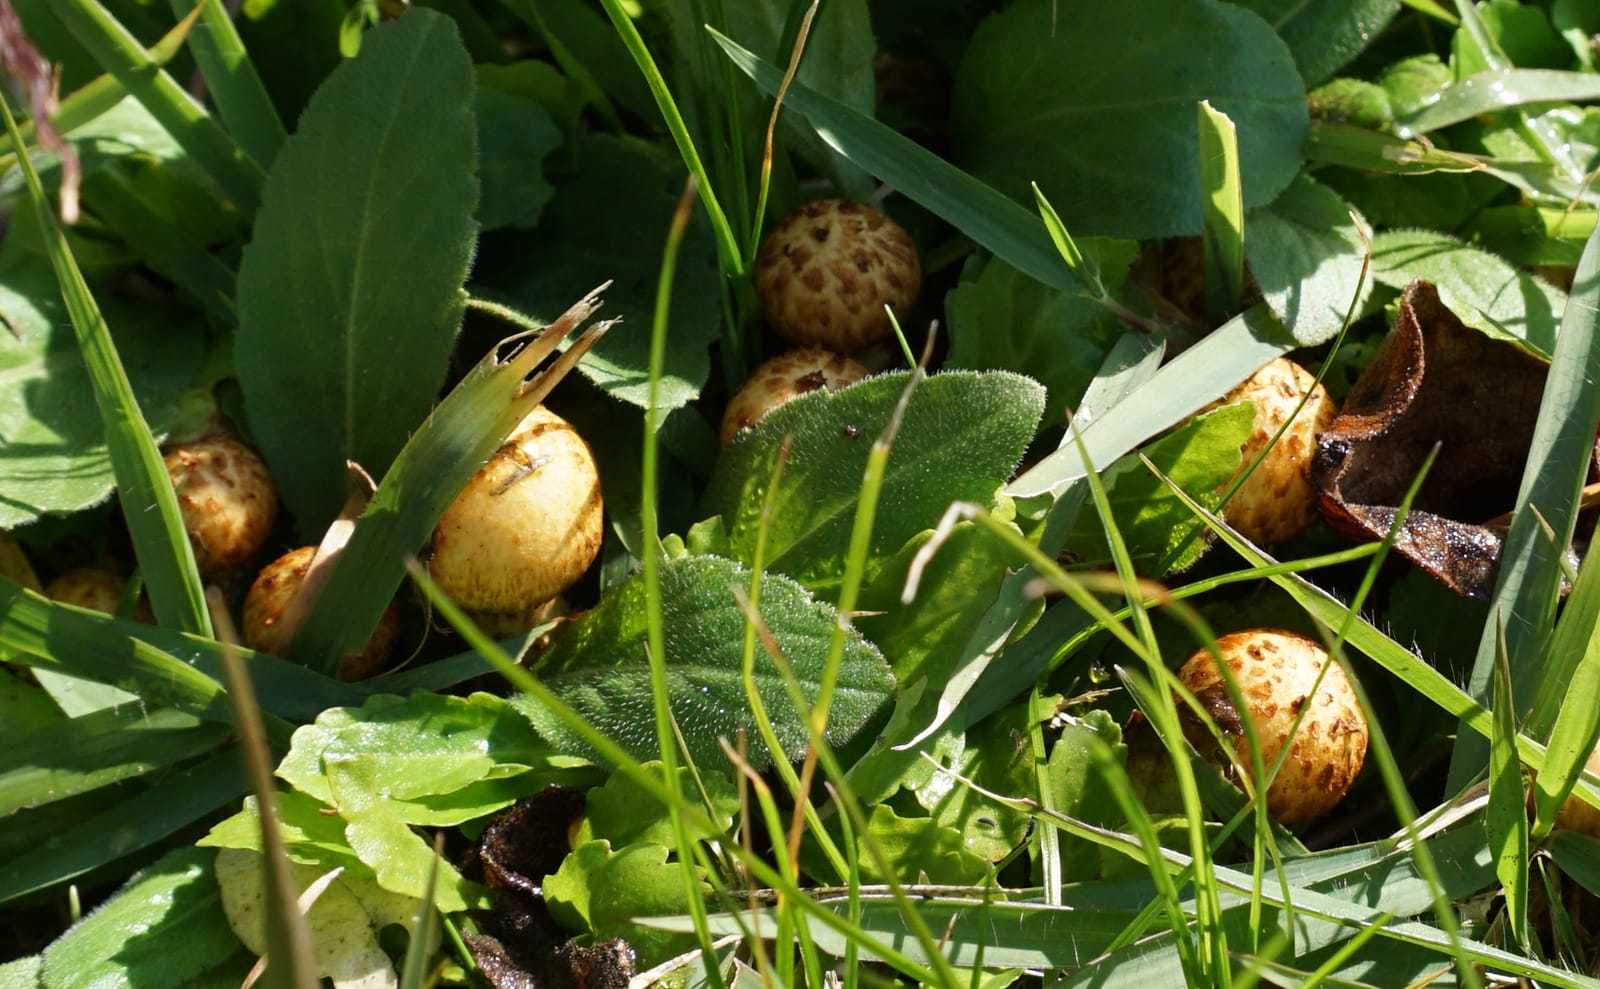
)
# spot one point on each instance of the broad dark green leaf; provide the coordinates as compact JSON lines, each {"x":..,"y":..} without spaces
{"x":1004,"y":320}
{"x":515,"y":133}
{"x":1485,"y":292}
{"x":350,"y":293}
{"x":609,"y":221}
{"x":1111,"y":141}
{"x":54,"y":459}
{"x":98,"y":749}
{"x":162,"y":929}
{"x":1324,"y":34}
{"x":962,"y":436}
{"x":598,"y":667}
{"x":1306,"y":256}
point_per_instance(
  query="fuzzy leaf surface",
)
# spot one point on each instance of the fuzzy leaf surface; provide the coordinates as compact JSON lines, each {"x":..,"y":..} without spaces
{"x":1306,"y":256}
{"x":1111,"y":141}
{"x":598,"y":667}
{"x":962,"y":436}
{"x":350,"y":293}
{"x":1324,"y":34}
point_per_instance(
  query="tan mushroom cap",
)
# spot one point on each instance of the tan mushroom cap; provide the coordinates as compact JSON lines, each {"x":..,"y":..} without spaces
{"x":784,"y":378}
{"x":825,"y":272}
{"x":1276,"y":672}
{"x":275,"y":586}
{"x":1277,"y":502}
{"x":527,"y":525}
{"x":226,"y":498}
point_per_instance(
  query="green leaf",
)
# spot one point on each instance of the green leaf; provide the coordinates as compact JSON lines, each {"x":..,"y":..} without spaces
{"x":1507,"y":819}
{"x":619,"y":811}
{"x":599,"y":668}
{"x":1482,"y":290}
{"x":961,"y":437}
{"x":55,"y":458}
{"x":600,"y":890}
{"x":1078,"y":790}
{"x":23,"y":973}
{"x":1029,"y":106}
{"x":1221,"y":212}
{"x":918,"y":849}
{"x":1324,"y":34}
{"x":1200,"y":457}
{"x":86,"y":753}
{"x":992,"y":758}
{"x":164,"y":928}
{"x":1571,"y":690}
{"x":424,"y":744}
{"x":367,"y":214}
{"x":609,"y":221}
{"x":1490,"y":91}
{"x":1004,"y":320}
{"x":515,"y":134}
{"x":1306,"y":256}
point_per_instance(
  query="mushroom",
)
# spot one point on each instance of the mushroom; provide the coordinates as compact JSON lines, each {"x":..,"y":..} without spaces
{"x":1276,"y":675}
{"x":268,"y":599}
{"x":97,"y":589}
{"x":226,"y":498}
{"x":527,"y":525}
{"x":783,"y":378}
{"x":825,"y":272}
{"x":1277,"y":502}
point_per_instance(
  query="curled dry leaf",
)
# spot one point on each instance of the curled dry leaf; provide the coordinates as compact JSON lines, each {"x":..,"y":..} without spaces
{"x":1434,"y":381}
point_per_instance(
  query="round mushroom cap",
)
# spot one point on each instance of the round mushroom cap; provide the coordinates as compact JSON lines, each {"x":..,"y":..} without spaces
{"x":262,"y":627}
{"x":825,"y":272}
{"x":226,"y":498}
{"x":97,"y":589}
{"x":1277,"y":502}
{"x":1276,"y":673}
{"x":527,"y":525}
{"x":783,"y":378}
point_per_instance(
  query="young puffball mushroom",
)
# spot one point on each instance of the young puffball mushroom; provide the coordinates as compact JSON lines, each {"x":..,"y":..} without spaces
{"x":527,"y":525}
{"x":1276,"y":502}
{"x":268,"y":599}
{"x":226,"y":498}
{"x":1275,"y":672}
{"x":783,"y":378}
{"x":97,"y":589}
{"x":825,"y":272}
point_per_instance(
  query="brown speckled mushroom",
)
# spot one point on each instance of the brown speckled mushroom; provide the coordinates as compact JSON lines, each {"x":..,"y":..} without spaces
{"x":264,"y":606}
{"x":527,"y":525}
{"x":825,"y":272}
{"x":1275,"y":672}
{"x":226,"y":499}
{"x":1277,"y":502}
{"x":783,"y":378}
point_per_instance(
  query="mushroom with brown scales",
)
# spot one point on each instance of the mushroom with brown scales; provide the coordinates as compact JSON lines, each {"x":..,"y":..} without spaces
{"x":267,"y":602}
{"x":226,"y":498}
{"x":826,"y":270}
{"x":1277,"y":675}
{"x":97,"y":588}
{"x":1276,"y":502}
{"x":784,"y":378}
{"x":527,"y":525}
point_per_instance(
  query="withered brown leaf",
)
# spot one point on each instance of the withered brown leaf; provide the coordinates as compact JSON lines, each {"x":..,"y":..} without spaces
{"x":1434,"y":381}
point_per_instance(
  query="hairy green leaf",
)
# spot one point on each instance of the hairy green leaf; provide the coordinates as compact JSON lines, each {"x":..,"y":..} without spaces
{"x":962,"y":435}
{"x":1306,"y":256}
{"x":1324,"y":34}
{"x":598,"y":667}
{"x":350,"y":293}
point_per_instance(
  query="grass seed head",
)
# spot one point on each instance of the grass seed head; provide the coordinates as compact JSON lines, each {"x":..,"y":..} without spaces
{"x":825,"y":272}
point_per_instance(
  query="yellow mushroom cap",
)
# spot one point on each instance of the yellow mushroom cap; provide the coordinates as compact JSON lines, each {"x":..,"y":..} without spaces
{"x":1276,"y":673}
{"x":226,"y":498}
{"x":783,"y":378}
{"x":275,"y":586}
{"x":825,"y":272}
{"x":1277,"y":502}
{"x":527,"y":525}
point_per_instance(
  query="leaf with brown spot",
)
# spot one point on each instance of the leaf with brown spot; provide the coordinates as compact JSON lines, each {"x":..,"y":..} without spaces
{"x":1433,"y":382}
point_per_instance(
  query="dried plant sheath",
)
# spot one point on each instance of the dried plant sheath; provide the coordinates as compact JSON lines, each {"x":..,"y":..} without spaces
{"x":1434,"y":381}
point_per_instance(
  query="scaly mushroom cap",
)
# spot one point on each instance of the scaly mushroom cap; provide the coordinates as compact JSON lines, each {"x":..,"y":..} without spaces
{"x":1276,"y":502}
{"x":825,"y":272}
{"x":262,"y":628}
{"x":226,"y":498}
{"x":787,"y":376}
{"x":98,"y":589}
{"x":526,"y":526}
{"x":1276,"y":672}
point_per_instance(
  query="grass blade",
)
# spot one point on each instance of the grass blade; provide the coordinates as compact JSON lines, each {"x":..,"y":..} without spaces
{"x":1576,"y":730}
{"x":1221,"y":212}
{"x":240,"y":95}
{"x":1507,"y":821}
{"x":149,"y":502}
{"x":120,"y":54}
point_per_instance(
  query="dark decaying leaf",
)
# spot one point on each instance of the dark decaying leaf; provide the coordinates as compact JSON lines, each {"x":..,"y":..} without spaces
{"x":1434,"y":381}
{"x":521,"y":946}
